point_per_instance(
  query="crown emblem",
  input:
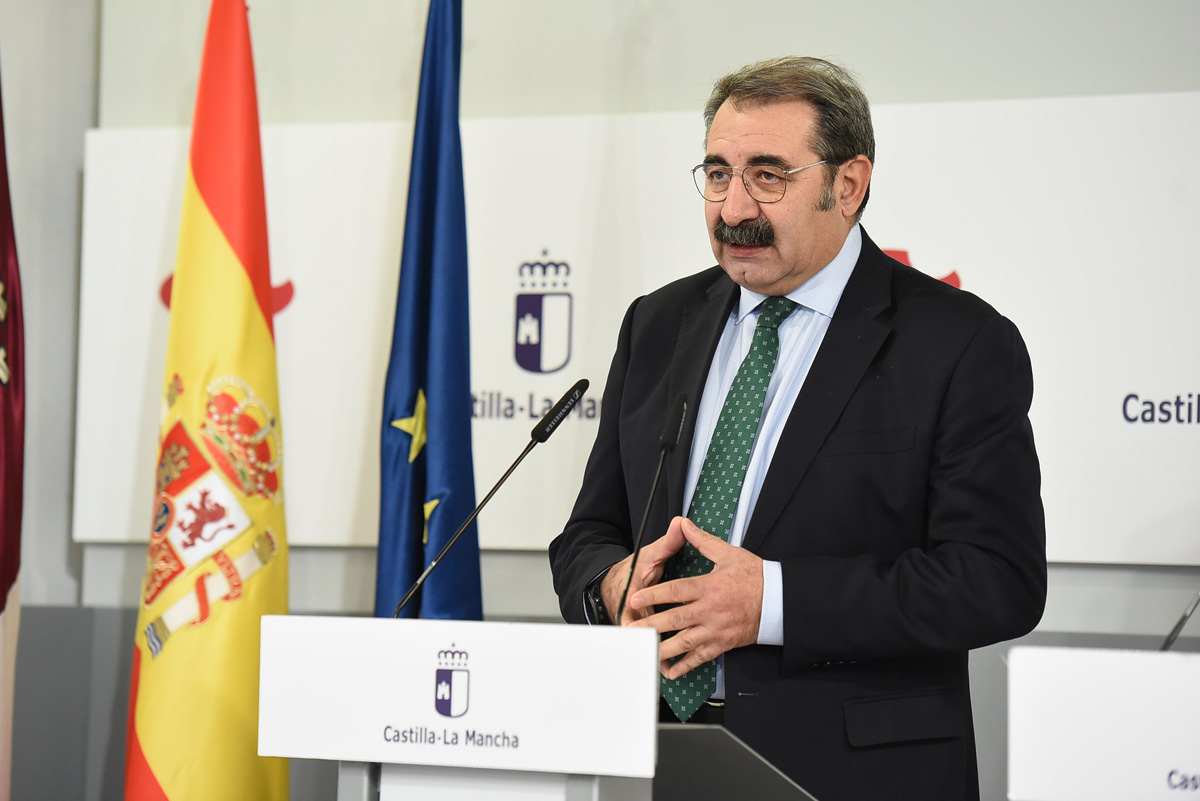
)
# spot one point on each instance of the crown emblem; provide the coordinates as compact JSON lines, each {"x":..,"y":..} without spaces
{"x":544,"y":274}
{"x":452,"y":657}
{"x":242,"y":436}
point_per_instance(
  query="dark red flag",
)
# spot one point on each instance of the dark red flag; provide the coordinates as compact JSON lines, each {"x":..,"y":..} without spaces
{"x":12,"y":390}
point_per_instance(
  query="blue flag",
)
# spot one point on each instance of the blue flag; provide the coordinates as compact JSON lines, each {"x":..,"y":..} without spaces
{"x":427,"y":476}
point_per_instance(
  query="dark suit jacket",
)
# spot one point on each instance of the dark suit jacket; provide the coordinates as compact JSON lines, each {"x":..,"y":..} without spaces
{"x":902,"y":501}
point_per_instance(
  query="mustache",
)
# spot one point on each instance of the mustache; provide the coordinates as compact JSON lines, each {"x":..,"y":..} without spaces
{"x":751,"y":233}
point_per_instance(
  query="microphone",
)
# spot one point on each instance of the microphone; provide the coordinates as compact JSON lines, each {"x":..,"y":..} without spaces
{"x":666,"y":443}
{"x":1187,"y":613}
{"x":541,"y":432}
{"x":545,"y":427}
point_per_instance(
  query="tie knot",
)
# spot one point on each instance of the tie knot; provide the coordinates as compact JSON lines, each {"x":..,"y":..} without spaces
{"x":774,"y":311}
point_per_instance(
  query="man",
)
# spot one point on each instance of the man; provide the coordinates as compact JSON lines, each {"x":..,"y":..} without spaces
{"x":879,"y":491}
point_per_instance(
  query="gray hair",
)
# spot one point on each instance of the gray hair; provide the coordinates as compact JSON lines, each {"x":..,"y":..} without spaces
{"x":843,"y":129}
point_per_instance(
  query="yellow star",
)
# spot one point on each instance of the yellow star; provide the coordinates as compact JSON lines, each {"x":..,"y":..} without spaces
{"x":429,"y":507}
{"x":415,"y":425}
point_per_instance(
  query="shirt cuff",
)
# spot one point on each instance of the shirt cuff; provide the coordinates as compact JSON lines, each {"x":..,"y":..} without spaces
{"x":770,"y":624}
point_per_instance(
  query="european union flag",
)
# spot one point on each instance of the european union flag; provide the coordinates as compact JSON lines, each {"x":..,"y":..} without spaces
{"x":428,"y":487}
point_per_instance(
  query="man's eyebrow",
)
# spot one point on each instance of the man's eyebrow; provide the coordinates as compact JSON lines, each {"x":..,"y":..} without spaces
{"x":768,"y":161}
{"x":762,"y":160}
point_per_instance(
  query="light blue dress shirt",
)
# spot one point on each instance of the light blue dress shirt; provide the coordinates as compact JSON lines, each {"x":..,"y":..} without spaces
{"x":800,"y":338}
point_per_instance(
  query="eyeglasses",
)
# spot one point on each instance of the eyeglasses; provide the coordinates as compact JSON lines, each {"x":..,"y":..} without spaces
{"x":765,"y":183}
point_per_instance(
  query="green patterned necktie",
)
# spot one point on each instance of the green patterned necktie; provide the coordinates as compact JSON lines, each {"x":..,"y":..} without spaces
{"x":720,"y":484}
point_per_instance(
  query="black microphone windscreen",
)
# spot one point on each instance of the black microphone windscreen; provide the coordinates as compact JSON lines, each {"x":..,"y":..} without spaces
{"x":545,"y":427}
{"x":674,"y":427}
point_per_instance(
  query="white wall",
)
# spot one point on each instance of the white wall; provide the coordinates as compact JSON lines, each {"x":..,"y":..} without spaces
{"x":68,"y":64}
{"x":327,"y":60}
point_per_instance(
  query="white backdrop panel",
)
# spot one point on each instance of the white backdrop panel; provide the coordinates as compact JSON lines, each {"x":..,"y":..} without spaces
{"x":335,"y":203}
{"x":1071,"y":216}
{"x":1076,"y":218}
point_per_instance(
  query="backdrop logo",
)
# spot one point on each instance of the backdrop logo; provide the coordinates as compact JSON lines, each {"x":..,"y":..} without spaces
{"x":542,"y":334}
{"x":453,"y":682}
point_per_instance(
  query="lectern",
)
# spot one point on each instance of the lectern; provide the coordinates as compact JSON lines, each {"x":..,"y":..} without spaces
{"x":1092,"y":724}
{"x":425,"y":709}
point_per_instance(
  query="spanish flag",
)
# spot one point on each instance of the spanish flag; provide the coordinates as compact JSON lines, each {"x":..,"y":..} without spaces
{"x":217,"y":558}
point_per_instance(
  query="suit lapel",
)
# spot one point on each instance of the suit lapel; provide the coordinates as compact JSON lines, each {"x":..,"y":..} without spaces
{"x":699,"y":332}
{"x":850,"y":344}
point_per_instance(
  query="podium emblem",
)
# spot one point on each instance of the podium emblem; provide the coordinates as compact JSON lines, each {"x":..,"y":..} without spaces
{"x":452,"y":683}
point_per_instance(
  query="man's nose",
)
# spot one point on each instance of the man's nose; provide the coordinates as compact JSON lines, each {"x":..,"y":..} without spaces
{"x":738,"y":206}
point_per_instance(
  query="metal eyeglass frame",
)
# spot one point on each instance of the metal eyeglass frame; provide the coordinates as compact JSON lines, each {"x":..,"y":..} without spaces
{"x":734,"y":171}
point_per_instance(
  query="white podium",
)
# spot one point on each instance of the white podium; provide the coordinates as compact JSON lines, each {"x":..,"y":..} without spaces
{"x":486,"y":708}
{"x":469,"y":711}
{"x":1095,"y":725}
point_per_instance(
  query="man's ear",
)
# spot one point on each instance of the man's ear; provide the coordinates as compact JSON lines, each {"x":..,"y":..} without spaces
{"x":854,"y":178}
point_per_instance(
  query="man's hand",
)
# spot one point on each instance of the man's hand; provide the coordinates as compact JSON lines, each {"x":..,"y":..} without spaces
{"x":721,"y":609}
{"x":649,"y":570}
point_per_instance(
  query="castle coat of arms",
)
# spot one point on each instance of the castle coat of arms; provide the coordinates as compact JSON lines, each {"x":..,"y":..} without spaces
{"x":542,"y":332}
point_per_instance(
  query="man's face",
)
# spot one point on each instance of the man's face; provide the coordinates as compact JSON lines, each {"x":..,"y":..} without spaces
{"x":805,"y":239}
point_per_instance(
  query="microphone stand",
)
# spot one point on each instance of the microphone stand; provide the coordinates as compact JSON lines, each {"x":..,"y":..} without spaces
{"x":408,"y":596}
{"x":541,"y":432}
{"x":1187,"y":613}
{"x":637,"y":544}
{"x":666,"y":444}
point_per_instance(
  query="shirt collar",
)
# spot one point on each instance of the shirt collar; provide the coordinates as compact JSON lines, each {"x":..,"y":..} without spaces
{"x":820,"y":293}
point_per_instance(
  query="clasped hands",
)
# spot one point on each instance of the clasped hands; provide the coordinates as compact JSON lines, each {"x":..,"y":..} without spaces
{"x":720,"y":611}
